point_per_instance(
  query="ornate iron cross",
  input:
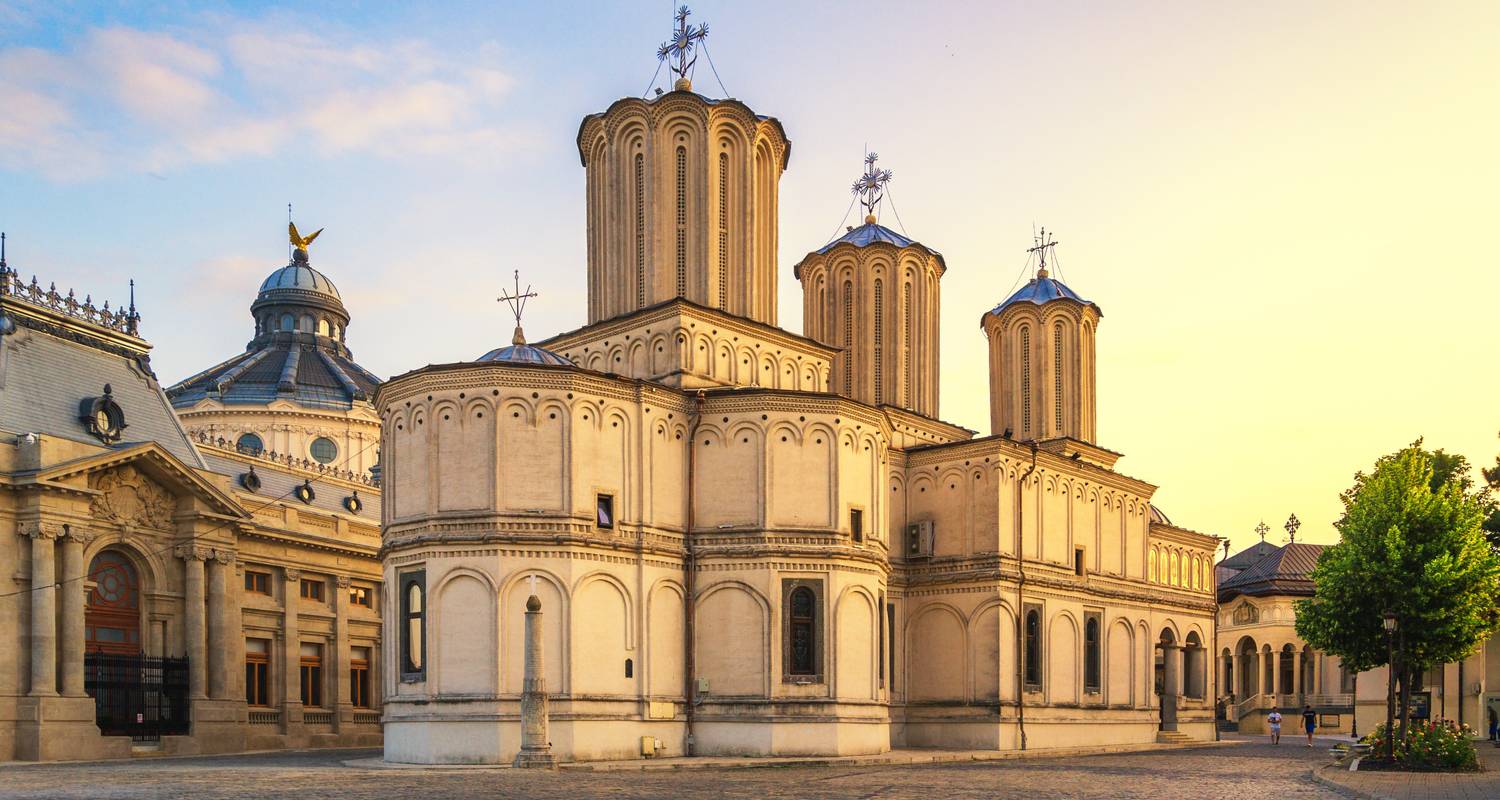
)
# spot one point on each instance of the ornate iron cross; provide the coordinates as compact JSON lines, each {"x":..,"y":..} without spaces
{"x":517,"y":303}
{"x":683,"y":44}
{"x":871,"y":186}
{"x":1292,"y":524}
{"x":1262,"y":529}
{"x":1043,"y":243}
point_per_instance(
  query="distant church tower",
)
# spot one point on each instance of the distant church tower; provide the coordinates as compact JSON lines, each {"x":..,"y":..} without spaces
{"x":873,"y":293}
{"x":682,"y":201}
{"x":1041,"y":342}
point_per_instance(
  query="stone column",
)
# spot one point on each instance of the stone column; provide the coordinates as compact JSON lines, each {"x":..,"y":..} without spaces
{"x":536,"y":751}
{"x":194,"y":627}
{"x":43,"y":607}
{"x":291,"y":637}
{"x":219,"y":622}
{"x":74,"y":593}
{"x":338,"y":659}
{"x":1171,"y":656}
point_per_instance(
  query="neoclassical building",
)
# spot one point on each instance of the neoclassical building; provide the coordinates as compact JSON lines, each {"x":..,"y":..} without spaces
{"x":749,"y":541}
{"x":168,"y":591}
{"x":1265,"y":664}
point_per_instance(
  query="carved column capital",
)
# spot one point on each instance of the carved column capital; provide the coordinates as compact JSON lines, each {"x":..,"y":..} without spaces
{"x":80,"y":534}
{"x":343,"y":581}
{"x":293,"y":574}
{"x":192,"y":552}
{"x":224,"y":557}
{"x":41,"y":529}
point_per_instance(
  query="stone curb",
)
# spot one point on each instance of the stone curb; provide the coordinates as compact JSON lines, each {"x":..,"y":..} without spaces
{"x":1347,"y":791}
{"x":894,"y":759}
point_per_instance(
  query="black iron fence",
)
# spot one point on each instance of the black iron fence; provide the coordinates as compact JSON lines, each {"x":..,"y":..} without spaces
{"x":142,"y":697}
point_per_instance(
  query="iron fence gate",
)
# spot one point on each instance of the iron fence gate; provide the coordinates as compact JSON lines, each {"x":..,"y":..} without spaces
{"x":142,"y":697}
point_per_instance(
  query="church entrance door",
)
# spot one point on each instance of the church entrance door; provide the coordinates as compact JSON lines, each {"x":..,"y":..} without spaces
{"x":112,"y":617}
{"x":134,"y":695}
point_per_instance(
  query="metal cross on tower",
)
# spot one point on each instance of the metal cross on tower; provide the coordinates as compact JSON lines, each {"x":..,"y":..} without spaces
{"x":1292,"y":524}
{"x":517,"y":303}
{"x":1043,"y":243}
{"x":1262,"y":529}
{"x":871,"y":186}
{"x":682,"y":45}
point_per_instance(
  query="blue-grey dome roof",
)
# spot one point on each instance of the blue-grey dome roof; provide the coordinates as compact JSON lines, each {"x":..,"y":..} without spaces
{"x":868,"y":234}
{"x":1041,"y":290}
{"x":300,"y":276}
{"x":525,"y":354}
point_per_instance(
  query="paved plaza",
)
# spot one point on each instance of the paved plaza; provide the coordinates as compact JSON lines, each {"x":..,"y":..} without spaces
{"x":1241,"y":771}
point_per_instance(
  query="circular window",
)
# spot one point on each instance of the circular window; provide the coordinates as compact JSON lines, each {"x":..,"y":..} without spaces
{"x":249,"y":443}
{"x":324,"y":451}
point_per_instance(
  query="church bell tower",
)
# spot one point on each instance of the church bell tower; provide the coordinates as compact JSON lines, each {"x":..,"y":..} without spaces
{"x":682,"y":197}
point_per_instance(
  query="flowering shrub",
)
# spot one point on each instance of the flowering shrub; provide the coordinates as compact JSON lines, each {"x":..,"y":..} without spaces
{"x":1440,"y":745}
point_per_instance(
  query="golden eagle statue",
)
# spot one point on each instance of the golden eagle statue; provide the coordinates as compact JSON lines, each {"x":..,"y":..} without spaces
{"x":298,"y":240}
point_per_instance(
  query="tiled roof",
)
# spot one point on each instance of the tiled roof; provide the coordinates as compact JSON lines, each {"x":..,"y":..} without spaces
{"x":1286,"y":569}
{"x":319,"y":374}
{"x":1041,"y":290}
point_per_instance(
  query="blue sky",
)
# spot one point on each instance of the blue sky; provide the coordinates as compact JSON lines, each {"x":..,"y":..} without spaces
{"x":1286,"y":212}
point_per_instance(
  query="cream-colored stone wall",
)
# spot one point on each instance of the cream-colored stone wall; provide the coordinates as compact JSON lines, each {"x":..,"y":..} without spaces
{"x":880,"y":305}
{"x":288,"y":429}
{"x":682,"y":202}
{"x":686,"y":346}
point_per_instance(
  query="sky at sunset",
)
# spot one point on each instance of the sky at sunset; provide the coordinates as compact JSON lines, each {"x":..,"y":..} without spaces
{"x":1288,"y":212}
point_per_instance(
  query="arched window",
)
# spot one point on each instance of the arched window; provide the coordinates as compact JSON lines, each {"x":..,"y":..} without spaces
{"x":1197,"y":574}
{"x":1151,"y":566}
{"x":1026,"y":382}
{"x":879,"y":343}
{"x":324,"y":450}
{"x":681,"y":221}
{"x":802,"y":632}
{"x":249,"y":443}
{"x":1057,"y":375}
{"x":724,"y":230}
{"x":1164,"y":573}
{"x":323,"y":327}
{"x":1091,"y":654}
{"x":288,"y":322}
{"x":414,"y":625}
{"x":112,"y":616}
{"x":1288,"y":669}
{"x":906,"y":351}
{"x":1033,"y":650}
{"x":1175,"y":580}
{"x":848,"y":338}
{"x":640,"y":230}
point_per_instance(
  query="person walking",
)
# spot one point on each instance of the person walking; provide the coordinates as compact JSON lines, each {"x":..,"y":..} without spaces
{"x":1274,"y":720}
{"x":1494,"y":724}
{"x":1309,"y":722}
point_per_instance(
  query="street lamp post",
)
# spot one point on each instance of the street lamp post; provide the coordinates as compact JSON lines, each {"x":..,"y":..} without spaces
{"x":1388,"y":621}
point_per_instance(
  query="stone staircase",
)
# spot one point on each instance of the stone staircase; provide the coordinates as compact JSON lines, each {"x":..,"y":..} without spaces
{"x":1174,"y":737}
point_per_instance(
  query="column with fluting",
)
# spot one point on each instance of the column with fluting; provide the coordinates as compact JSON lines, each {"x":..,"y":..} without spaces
{"x":43,"y":608}
{"x":74,"y":589}
{"x":194,"y":625}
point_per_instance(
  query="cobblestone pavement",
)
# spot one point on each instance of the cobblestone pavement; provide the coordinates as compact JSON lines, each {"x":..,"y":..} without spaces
{"x":1240,"y":772}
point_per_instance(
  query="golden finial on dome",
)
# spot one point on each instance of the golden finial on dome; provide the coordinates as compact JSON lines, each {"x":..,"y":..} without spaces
{"x":298,"y":240}
{"x":869,"y":219}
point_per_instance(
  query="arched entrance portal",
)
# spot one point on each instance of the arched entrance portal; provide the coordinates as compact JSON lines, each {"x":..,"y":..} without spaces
{"x":112,"y":617}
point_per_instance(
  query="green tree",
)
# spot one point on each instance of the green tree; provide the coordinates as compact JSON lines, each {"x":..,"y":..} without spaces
{"x":1414,"y":546}
{"x":1492,"y":523}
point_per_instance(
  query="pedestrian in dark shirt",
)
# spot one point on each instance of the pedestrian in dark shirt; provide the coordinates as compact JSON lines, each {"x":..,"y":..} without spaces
{"x":1309,"y":722}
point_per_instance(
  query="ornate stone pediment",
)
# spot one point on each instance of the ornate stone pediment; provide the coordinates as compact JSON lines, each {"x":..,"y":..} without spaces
{"x":128,"y":497}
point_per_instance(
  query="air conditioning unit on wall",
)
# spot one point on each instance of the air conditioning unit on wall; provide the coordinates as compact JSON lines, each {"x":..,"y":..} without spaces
{"x":919,"y":539}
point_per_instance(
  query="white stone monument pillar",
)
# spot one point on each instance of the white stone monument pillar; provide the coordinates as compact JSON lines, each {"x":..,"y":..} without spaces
{"x":536,"y":751}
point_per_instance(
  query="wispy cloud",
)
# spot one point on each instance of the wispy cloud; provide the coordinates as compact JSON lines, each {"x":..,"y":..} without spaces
{"x":121,"y":99}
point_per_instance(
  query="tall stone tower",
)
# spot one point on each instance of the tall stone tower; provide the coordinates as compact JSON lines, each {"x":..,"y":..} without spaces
{"x":682,"y":203}
{"x":874,"y":294}
{"x":1041,"y":343}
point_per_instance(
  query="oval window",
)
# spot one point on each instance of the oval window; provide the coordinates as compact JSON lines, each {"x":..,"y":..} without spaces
{"x":324,"y":451}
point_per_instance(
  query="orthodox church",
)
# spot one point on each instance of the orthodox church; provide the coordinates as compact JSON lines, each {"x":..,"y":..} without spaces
{"x":748,"y":541}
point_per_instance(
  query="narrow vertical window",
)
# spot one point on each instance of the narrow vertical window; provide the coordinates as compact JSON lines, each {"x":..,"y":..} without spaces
{"x":1033,"y":650}
{"x":1091,"y":654}
{"x":802,"y":634}
{"x":906,"y":351}
{"x":359,"y":677}
{"x":1057,"y":376}
{"x":848,"y":338}
{"x":257,"y":672}
{"x":880,"y":651}
{"x":857,"y":524}
{"x":681,"y":221}
{"x":879,"y":343}
{"x":1026,"y":382}
{"x":414,"y":625}
{"x":640,"y":230}
{"x":604,"y":510}
{"x":890,"y":652}
{"x":724,"y":231}
{"x":312,"y":675}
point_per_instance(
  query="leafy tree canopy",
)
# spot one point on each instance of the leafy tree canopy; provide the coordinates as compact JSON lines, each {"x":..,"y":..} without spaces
{"x":1410,"y":542}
